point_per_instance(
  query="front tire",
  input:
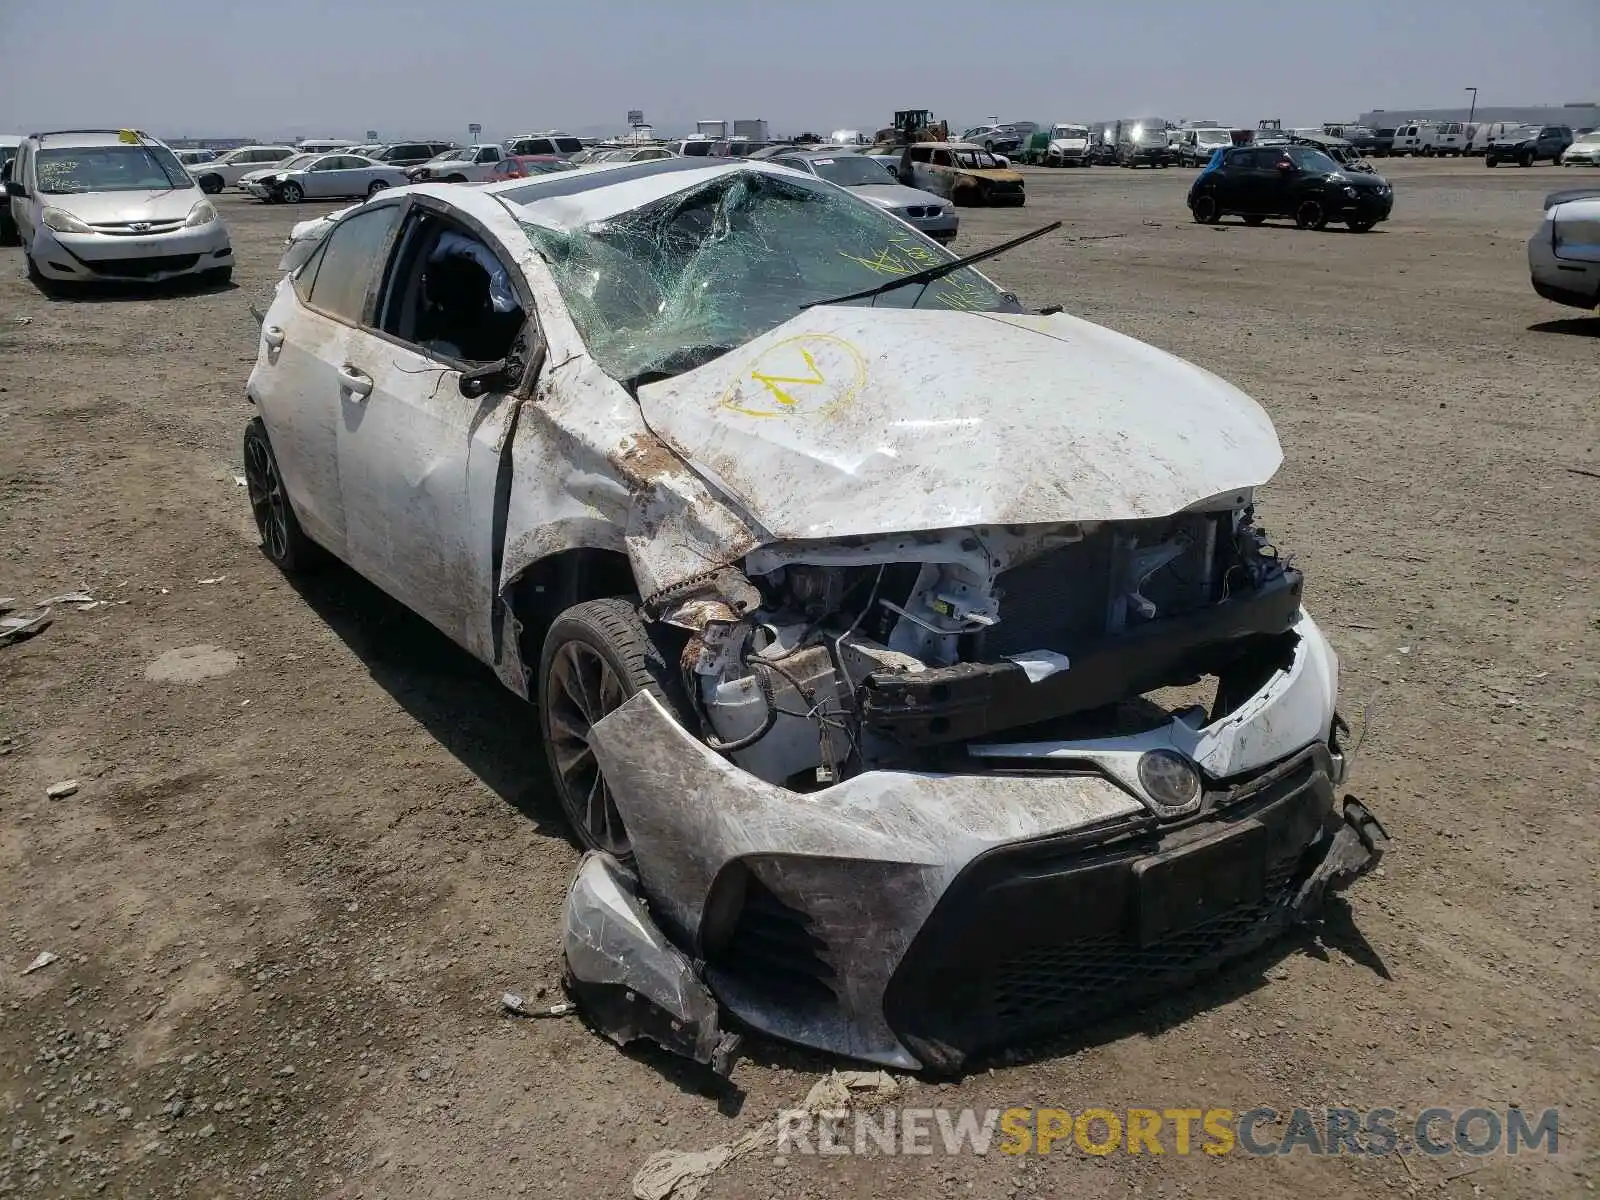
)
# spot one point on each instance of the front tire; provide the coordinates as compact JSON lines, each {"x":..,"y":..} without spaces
{"x":217,"y":277}
{"x":596,"y":656}
{"x":1361,"y":224}
{"x":1526,"y":160}
{"x":1311,"y":215}
{"x":282,"y":539}
{"x":1206,"y":211}
{"x":291,"y":192}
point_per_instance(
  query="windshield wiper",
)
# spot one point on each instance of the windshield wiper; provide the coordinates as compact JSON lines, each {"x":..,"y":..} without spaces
{"x":939,"y":271}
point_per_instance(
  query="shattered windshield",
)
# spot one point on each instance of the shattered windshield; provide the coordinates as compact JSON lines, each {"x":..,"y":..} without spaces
{"x":664,"y":288}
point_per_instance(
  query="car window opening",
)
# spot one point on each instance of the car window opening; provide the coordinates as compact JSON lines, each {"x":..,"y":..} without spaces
{"x":451,"y":296}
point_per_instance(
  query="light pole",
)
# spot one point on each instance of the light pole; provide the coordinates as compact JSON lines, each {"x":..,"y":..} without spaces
{"x":1471,"y":112}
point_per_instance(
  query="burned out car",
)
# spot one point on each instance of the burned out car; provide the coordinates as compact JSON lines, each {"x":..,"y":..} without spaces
{"x":914,"y":667}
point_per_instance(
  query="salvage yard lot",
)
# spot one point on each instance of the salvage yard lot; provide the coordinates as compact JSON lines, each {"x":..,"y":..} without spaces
{"x":304,"y":862}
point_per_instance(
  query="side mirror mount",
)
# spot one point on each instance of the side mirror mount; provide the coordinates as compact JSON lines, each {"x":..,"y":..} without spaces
{"x":14,"y":189}
{"x":487,"y":378}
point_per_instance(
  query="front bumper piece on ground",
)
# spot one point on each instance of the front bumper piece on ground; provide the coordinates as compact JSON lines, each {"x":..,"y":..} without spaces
{"x":917,"y":919}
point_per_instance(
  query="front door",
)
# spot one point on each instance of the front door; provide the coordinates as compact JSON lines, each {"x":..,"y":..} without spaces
{"x":419,"y":460}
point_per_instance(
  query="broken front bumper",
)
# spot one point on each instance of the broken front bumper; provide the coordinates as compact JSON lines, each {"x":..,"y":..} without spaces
{"x":913,"y":919}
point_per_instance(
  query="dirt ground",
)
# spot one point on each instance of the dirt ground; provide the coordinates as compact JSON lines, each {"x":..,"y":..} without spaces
{"x":308,"y":853}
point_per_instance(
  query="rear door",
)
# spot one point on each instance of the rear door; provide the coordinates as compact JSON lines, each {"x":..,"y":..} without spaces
{"x":305,"y":344}
{"x":419,"y":461}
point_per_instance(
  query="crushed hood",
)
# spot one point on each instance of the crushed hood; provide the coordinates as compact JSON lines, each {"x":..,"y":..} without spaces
{"x":854,"y":421}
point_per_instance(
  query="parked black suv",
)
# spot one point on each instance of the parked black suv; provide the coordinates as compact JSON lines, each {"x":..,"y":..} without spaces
{"x":411,"y":154}
{"x":1257,"y":182}
{"x":1528,"y":145}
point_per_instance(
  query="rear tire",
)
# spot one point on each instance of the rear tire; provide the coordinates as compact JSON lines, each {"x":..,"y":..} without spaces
{"x":455,"y":179}
{"x":10,"y":235}
{"x":211,"y":184}
{"x":282,"y":539}
{"x":596,"y":656}
{"x":378,"y":185}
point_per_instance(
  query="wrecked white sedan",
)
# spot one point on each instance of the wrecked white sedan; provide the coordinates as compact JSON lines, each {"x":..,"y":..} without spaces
{"x":912,"y":665}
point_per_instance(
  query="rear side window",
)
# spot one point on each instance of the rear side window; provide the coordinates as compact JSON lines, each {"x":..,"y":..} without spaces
{"x":568,"y":145}
{"x":348,"y":264}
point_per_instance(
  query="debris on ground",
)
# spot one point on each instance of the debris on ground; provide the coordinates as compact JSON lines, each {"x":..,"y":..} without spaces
{"x":7,"y":603}
{"x":683,"y":1174}
{"x":18,"y":629}
{"x":67,"y":598}
{"x":213,"y":579}
{"x":46,"y":957}
{"x":514,"y":1003}
{"x":60,"y":791}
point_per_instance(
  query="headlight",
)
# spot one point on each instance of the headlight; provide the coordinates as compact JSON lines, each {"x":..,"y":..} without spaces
{"x":201,"y":214}
{"x":1169,"y":779}
{"x":63,"y":222}
{"x":1349,"y":191}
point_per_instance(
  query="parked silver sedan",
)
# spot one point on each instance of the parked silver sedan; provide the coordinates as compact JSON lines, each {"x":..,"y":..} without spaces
{"x":324,"y":177}
{"x":876,"y":184}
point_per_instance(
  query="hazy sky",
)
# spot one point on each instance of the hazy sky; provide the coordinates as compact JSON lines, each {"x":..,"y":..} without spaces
{"x":340,"y":67}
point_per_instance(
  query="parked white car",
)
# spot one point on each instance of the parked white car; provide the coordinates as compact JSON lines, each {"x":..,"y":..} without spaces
{"x":193,"y":158}
{"x":707,"y":459}
{"x":465,"y":164}
{"x":226,"y":170}
{"x":1584,"y":151}
{"x":325,"y":177}
{"x":112,"y":205}
{"x":1564,"y":252}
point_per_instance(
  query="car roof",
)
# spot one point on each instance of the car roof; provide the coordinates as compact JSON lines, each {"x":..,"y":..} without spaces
{"x":92,"y":137}
{"x":951,"y":145}
{"x":570,"y":199}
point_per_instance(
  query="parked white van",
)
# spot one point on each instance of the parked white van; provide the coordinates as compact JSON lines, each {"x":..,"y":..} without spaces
{"x":1483,"y":134}
{"x":1430,"y":138}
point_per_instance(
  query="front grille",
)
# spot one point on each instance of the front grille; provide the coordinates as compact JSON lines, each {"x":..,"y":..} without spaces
{"x":142,"y":267}
{"x":773,"y":946}
{"x":124,"y":228}
{"x":1068,"y":985}
{"x":918,"y":212}
{"x":1036,"y":939}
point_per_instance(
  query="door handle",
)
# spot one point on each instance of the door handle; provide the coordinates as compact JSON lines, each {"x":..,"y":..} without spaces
{"x":273,"y":337}
{"x":357,"y":383}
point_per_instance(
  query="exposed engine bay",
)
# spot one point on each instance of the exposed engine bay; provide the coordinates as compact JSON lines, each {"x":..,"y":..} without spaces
{"x":826,"y":660}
